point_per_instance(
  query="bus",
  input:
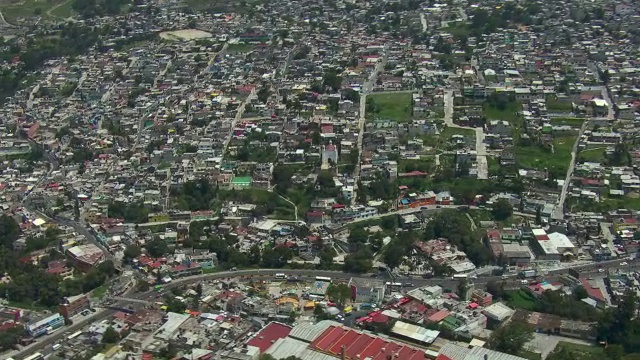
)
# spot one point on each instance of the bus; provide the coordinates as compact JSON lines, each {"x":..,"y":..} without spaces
{"x":323,"y":278}
{"x":394,"y":285}
{"x":460,"y":276}
{"x":281,"y":276}
{"x":74,"y":335}
{"x":36,"y":356}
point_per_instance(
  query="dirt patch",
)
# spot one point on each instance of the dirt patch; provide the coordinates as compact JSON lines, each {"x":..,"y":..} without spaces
{"x":185,"y":35}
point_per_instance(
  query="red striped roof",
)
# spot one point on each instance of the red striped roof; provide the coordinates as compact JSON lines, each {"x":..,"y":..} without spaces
{"x":357,"y":344}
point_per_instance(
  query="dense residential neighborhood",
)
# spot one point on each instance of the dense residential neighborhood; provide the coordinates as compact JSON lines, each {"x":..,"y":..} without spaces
{"x":261,"y":180}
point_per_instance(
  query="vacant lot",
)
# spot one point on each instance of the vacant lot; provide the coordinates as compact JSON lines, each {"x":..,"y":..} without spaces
{"x":186,"y":35}
{"x":398,"y":107}
{"x":597,"y":155}
{"x":521,"y":299}
{"x":508,"y":113}
{"x":13,"y":10}
{"x":538,"y":158}
{"x":239,"y":48}
{"x":555,"y":105}
{"x":580,"y":349}
{"x":574,"y":122}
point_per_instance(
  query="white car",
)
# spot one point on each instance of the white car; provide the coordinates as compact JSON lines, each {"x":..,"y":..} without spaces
{"x":600,"y":270}
{"x":624,"y":263}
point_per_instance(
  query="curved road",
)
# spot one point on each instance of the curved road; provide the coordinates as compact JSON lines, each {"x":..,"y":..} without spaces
{"x":480,"y":282}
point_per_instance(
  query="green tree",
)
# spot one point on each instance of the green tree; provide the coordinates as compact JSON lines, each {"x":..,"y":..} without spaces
{"x":143,"y":286}
{"x":255,"y":255}
{"x":463,"y":286}
{"x":276,"y":258}
{"x":326,"y":257}
{"x":9,"y":231}
{"x":359,"y":262}
{"x":393,"y":256}
{"x":157,"y":248}
{"x":511,"y":337}
{"x":501,"y":210}
{"x":263,"y":94}
{"x":10,"y":337}
{"x":131,"y":252}
{"x":319,"y":313}
{"x":614,"y":351}
{"x":358,"y":235}
{"x":339,"y":293}
{"x":496,"y":288}
{"x":110,"y":336}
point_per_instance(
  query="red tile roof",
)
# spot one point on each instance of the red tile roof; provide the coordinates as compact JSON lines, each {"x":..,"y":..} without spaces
{"x":357,"y":344}
{"x":443,"y":357}
{"x":268,"y":335}
{"x":593,"y":292}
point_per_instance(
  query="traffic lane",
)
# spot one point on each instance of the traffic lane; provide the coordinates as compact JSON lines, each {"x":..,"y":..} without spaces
{"x":446,"y":283}
{"x":44,"y":343}
{"x":350,"y":318}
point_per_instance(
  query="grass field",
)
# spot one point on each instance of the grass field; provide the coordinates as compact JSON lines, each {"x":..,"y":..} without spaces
{"x":597,"y":155}
{"x":579,"y":349}
{"x":509,"y":113}
{"x":530,"y":355}
{"x":554,"y":105}
{"x":63,"y":10}
{"x":12,"y":10}
{"x":448,"y":132}
{"x":606,"y":203}
{"x":396,"y":107}
{"x":27,"y":306}
{"x":535,"y":157}
{"x":574,"y":122}
{"x":532,"y":157}
{"x":100,"y":291}
{"x":494,"y":165}
{"x":239,"y":48}
{"x":520,"y":299}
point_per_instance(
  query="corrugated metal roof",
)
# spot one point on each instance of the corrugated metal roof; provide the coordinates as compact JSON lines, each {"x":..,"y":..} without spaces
{"x":308,"y":332}
{"x":477,"y":353}
{"x":286,"y":347}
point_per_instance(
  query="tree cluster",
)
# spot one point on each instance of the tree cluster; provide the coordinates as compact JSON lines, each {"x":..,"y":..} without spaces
{"x":195,"y":195}
{"x":91,"y":8}
{"x":511,"y":337}
{"x":339,"y":293}
{"x":621,"y":325}
{"x":455,"y":226}
{"x":136,"y":212}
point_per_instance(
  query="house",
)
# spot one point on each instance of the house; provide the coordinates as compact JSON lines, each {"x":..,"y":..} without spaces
{"x":74,"y":305}
{"x":367,"y":290}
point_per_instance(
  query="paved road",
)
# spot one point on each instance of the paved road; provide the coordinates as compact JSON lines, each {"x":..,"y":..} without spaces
{"x":82,"y":230}
{"x":236,"y":119}
{"x":366,"y":89}
{"x":558,"y":211}
{"x":481,"y":151}
{"x":423,"y":21}
{"x":43,"y":344}
{"x":307,"y":274}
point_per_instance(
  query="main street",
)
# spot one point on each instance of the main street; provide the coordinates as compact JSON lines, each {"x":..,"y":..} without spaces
{"x":130,"y":298}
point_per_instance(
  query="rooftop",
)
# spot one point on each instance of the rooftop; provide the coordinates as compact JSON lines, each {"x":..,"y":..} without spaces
{"x":268,"y":335}
{"x":336,"y":339}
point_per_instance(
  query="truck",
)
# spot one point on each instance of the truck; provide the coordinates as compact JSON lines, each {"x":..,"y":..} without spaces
{"x":528,"y":273}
